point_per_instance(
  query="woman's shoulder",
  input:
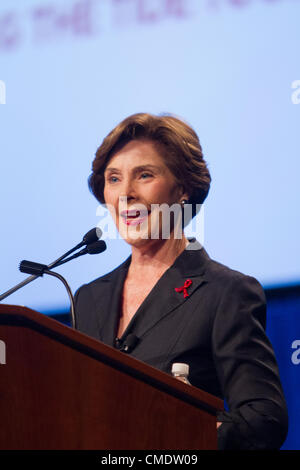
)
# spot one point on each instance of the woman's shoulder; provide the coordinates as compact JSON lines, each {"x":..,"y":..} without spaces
{"x":233,"y":296}
{"x":218,"y":271}
{"x":215,"y":271}
{"x":230,"y":281}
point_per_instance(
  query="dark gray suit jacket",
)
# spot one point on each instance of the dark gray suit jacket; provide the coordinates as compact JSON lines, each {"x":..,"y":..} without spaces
{"x":218,"y":329}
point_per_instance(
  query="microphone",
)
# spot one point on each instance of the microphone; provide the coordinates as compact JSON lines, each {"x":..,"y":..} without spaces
{"x":129,"y":343}
{"x":92,"y":249}
{"x":38,"y":269}
{"x":90,"y":239}
{"x":29,"y":267}
{"x":91,"y":236}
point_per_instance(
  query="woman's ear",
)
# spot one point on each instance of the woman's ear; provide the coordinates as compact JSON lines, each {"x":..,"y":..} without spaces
{"x":184,"y":196}
{"x":181,"y":194}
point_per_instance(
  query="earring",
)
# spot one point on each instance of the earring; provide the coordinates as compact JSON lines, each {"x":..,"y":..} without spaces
{"x":184,"y":201}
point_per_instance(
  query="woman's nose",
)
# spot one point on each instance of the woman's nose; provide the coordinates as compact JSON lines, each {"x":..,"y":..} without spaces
{"x":127,"y":190}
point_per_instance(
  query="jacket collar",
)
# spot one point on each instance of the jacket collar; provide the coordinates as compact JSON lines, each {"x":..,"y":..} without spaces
{"x":162,"y":300}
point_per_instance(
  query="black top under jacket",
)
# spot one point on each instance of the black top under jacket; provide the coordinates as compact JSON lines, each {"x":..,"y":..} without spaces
{"x":218,"y":330}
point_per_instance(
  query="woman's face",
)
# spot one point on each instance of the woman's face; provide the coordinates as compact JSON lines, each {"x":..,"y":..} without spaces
{"x":137,"y":177}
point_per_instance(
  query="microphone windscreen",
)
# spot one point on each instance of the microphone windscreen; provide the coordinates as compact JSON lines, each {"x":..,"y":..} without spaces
{"x":96,"y":247}
{"x":30,"y":267}
{"x":130,"y":342}
{"x":92,"y":236}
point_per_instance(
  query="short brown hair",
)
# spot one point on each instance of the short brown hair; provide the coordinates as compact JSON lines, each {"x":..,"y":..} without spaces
{"x":177,"y":142}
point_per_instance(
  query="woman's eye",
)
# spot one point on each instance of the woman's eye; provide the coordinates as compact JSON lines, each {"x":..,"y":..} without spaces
{"x":112,"y":179}
{"x":145,"y":175}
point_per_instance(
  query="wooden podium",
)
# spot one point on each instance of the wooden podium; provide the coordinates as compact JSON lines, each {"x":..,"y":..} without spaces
{"x":61,"y":389}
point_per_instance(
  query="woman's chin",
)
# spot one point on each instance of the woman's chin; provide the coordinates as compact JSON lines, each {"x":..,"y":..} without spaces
{"x":135,"y":235}
{"x":137,"y":242}
{"x":134,"y":238}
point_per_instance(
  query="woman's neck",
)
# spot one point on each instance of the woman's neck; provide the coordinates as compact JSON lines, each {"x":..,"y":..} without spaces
{"x":155,"y":256}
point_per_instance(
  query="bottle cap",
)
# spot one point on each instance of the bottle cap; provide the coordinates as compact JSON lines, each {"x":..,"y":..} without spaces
{"x":180,"y":368}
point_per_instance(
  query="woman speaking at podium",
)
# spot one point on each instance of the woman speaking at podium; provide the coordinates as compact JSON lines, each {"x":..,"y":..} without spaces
{"x":174,"y":301}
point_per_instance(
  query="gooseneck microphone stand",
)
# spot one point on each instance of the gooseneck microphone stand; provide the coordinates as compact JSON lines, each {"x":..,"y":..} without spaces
{"x":93,"y":246}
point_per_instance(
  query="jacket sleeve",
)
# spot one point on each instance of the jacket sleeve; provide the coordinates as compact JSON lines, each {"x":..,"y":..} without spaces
{"x":247,"y":370}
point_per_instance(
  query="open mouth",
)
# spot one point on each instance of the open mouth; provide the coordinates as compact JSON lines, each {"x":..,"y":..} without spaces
{"x":134,"y":216}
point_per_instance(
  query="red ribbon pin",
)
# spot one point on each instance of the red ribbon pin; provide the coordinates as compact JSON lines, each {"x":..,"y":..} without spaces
{"x":183,"y":288}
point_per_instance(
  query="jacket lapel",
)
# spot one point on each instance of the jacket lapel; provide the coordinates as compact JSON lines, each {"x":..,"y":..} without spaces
{"x":110,"y":309}
{"x":162,"y":299}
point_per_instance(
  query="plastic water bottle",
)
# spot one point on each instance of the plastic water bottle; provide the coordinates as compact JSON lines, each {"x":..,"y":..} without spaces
{"x":181,"y":372}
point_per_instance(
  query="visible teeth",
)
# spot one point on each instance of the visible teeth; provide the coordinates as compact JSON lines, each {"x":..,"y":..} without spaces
{"x":135,"y":214}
